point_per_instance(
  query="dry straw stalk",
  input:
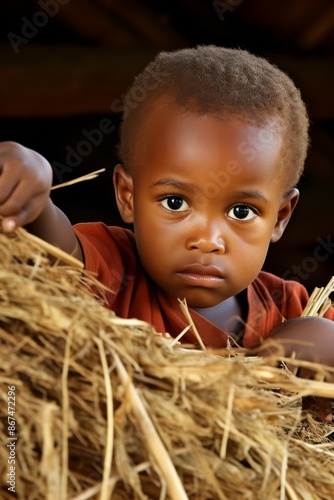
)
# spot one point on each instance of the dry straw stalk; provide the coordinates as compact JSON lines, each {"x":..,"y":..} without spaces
{"x":221,"y":425}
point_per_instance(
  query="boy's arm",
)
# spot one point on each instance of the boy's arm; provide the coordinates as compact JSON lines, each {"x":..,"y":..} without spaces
{"x":53,"y":226}
{"x":308,"y":338}
{"x":25,"y":182}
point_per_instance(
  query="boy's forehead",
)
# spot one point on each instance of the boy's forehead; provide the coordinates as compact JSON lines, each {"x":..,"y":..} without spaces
{"x":173,"y":138}
{"x":165,"y":107}
{"x":168,"y":121}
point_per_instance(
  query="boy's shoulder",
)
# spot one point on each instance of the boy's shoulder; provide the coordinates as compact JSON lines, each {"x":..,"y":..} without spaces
{"x":103,"y":246}
{"x":103,"y":232}
{"x":271,"y":300}
{"x":290,"y":297}
{"x":272,"y":281}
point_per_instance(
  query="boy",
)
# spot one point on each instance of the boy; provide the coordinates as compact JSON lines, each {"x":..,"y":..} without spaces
{"x":213,"y":143}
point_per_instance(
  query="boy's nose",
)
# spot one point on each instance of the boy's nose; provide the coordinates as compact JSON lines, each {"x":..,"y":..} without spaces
{"x":207,"y":240}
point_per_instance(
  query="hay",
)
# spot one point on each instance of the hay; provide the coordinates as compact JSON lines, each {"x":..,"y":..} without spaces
{"x":106,"y":408}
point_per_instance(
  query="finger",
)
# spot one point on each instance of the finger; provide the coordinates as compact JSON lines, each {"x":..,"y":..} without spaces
{"x":8,"y":184}
{"x":8,"y":224}
{"x":24,"y":216}
{"x":320,"y":405}
{"x":20,"y":197}
{"x":325,"y":409}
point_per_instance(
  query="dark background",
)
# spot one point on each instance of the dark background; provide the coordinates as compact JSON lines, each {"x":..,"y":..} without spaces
{"x":63,"y":63}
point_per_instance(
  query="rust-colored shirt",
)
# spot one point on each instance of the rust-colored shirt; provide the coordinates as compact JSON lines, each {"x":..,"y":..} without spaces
{"x":110,"y":253}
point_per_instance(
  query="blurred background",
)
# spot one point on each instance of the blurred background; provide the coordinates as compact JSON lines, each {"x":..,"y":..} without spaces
{"x":64,"y":65}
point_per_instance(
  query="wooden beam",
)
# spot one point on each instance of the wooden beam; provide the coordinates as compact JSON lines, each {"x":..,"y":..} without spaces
{"x":314,"y":76}
{"x":88,"y":20}
{"x":318,"y":31}
{"x":67,"y":80}
{"x":150,"y":26}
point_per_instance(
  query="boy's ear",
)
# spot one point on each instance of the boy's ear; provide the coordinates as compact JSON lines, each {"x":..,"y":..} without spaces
{"x":286,"y":208}
{"x":123,"y":185}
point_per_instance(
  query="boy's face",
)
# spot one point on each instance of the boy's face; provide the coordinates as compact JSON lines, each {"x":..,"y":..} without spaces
{"x":206,"y":199}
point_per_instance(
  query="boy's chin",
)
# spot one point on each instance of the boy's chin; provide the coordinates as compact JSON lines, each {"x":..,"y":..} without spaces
{"x":203,"y":300}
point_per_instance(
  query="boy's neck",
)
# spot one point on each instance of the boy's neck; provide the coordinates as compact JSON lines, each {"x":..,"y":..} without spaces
{"x":228,"y":315}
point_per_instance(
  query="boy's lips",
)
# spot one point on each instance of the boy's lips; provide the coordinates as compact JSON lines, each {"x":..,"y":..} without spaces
{"x":201,"y":275}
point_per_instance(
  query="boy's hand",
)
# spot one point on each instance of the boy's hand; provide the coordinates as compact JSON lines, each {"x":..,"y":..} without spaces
{"x":310,"y":339}
{"x":25,"y":182}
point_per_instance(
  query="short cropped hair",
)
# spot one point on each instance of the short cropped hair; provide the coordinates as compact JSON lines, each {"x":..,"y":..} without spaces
{"x":222,"y":82}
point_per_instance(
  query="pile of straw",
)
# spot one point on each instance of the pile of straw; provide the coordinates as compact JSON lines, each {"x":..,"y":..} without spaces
{"x":107,"y":408}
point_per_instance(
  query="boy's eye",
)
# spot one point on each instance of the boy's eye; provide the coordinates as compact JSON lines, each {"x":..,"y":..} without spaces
{"x":175,"y":203}
{"x":242,"y":212}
